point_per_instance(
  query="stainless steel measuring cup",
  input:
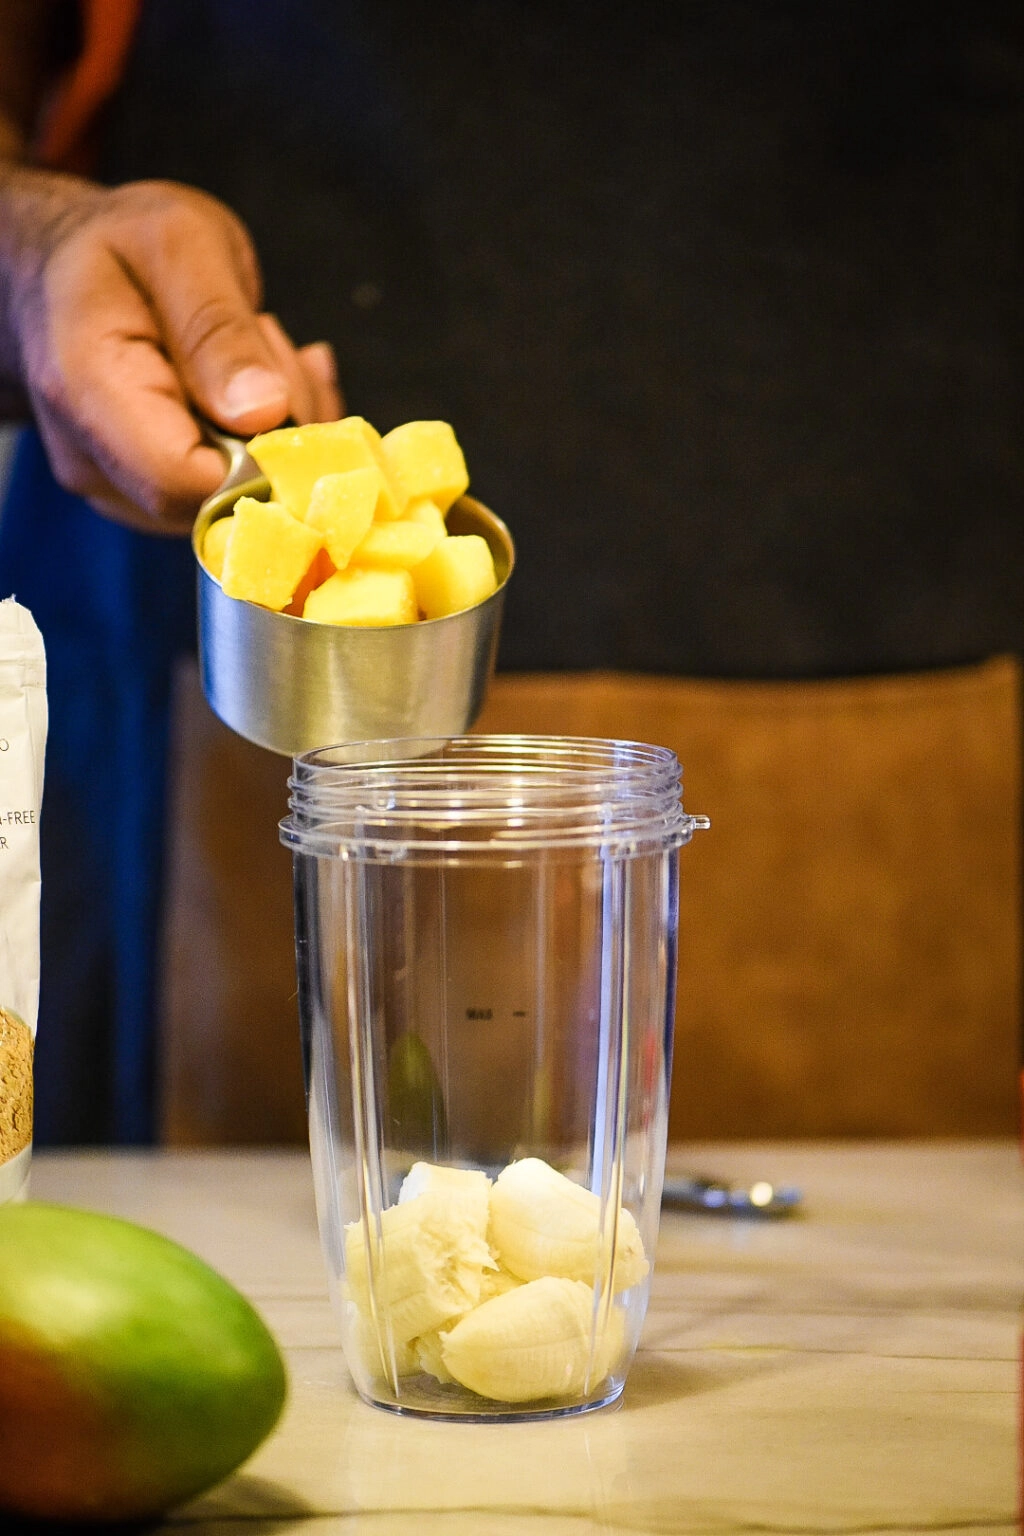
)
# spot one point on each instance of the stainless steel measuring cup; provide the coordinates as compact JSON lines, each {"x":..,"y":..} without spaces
{"x":291,"y":685}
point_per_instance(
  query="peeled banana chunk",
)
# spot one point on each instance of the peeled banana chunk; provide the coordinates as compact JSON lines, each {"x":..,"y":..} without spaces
{"x":494,"y":1286}
{"x":544,"y":1224}
{"x":424,"y":1266}
{"x":535,"y":1341}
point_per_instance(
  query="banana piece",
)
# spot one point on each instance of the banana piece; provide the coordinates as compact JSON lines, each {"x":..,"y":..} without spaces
{"x":489,"y":1286}
{"x":427,"y":1349}
{"x":497,"y":1281}
{"x":471,"y":1184}
{"x":544,"y":1224}
{"x":429,"y":1265}
{"x":428,"y":1354}
{"x":375,"y":1354}
{"x":531,"y":1342}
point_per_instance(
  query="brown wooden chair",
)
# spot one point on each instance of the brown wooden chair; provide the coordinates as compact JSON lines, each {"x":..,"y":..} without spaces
{"x":850,"y":945}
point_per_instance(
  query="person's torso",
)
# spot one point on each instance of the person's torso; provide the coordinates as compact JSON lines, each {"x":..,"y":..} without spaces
{"x":691,"y":283}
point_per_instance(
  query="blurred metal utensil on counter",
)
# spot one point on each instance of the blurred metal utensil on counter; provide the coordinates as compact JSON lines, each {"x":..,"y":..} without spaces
{"x":721,"y":1197}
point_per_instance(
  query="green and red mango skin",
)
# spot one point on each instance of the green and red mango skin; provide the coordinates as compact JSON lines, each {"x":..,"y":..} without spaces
{"x":132,"y":1376}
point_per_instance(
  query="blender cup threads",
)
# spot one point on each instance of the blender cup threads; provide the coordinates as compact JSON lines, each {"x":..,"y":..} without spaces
{"x":486,"y":942}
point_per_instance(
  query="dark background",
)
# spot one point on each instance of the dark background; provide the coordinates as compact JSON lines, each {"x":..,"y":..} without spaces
{"x":724,"y":303}
{"x":722,"y":299}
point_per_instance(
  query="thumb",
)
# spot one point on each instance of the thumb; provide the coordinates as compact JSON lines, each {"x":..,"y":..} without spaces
{"x":227,"y":368}
{"x":252,"y":399}
{"x":205,"y":302}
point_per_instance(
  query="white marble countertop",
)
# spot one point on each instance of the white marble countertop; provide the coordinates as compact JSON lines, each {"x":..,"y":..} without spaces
{"x":852,"y":1369}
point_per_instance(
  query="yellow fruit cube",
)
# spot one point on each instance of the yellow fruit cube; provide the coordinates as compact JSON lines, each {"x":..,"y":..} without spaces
{"x":366,"y":597}
{"x":458,"y":573}
{"x":294,"y":458}
{"x":423,"y":458}
{"x":215,"y":541}
{"x":341,"y":508}
{"x":427,"y":512}
{"x":268,"y":553}
{"x":397,"y":545}
{"x":322,"y":567}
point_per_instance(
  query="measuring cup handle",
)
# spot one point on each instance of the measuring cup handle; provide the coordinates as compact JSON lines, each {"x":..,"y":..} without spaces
{"x":241,"y":466}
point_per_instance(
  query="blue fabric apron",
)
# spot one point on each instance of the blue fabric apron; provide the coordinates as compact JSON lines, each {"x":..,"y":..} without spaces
{"x":116,"y":609}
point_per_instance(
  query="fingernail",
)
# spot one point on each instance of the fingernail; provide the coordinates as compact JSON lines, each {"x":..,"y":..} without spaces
{"x":254,"y":389}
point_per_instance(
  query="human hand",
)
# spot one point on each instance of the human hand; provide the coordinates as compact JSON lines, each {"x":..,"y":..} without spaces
{"x":130,"y":308}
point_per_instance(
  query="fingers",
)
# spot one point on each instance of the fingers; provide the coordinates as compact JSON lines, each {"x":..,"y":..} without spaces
{"x":299,"y":385}
{"x":110,"y":405}
{"x":238,"y":365}
{"x":312,"y":381}
{"x":193,"y":262}
{"x":318,"y":360}
{"x":127,"y":441}
{"x":130,"y":447}
{"x":139,"y":318}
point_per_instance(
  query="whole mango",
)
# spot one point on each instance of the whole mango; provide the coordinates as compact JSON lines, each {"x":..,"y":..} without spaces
{"x":132,"y":1375}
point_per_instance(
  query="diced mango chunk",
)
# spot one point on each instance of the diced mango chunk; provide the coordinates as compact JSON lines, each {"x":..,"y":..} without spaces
{"x":341,"y":508}
{"x":215,"y":542}
{"x":355,"y":532}
{"x":423,"y":458}
{"x":390,"y":546}
{"x":458,"y":572}
{"x":322,"y":568}
{"x":294,"y":458}
{"x":427,"y":512}
{"x":268,"y":553}
{"x":365,"y":597}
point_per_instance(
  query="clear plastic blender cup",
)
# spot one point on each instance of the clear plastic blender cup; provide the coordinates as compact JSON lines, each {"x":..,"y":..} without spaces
{"x":486,"y":945}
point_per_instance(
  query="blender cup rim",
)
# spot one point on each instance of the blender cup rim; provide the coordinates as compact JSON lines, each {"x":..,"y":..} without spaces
{"x":486,"y":795}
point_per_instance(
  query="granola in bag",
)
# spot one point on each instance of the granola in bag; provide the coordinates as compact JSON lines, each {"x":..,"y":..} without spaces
{"x":23,"y":719}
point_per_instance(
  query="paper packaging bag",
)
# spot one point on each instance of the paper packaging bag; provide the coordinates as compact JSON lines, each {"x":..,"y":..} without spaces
{"x":23,"y":718}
